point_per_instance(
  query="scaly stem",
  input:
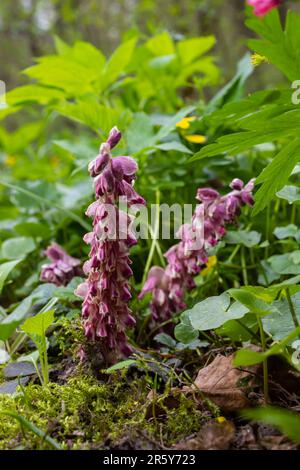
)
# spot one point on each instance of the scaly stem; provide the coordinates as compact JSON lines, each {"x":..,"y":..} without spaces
{"x":265,"y":362}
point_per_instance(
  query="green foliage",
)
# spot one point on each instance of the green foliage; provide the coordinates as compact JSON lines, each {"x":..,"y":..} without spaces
{"x":5,"y":269}
{"x":286,"y":421}
{"x":36,"y":328}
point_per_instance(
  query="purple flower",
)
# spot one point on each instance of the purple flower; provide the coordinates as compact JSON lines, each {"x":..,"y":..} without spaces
{"x":63,"y":267}
{"x":262,"y":7}
{"x":106,"y":291}
{"x":187,"y":258}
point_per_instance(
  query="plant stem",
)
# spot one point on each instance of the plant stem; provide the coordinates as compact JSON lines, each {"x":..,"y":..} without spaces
{"x":265,"y":362}
{"x":292,"y":308}
{"x":154,"y":235}
{"x":267,"y":229}
{"x":244,"y":267}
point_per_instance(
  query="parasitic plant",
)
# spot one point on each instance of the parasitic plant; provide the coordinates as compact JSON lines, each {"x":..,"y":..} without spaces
{"x":106,"y":291}
{"x":188,"y":257}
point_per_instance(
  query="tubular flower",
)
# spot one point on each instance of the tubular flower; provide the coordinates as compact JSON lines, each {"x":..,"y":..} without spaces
{"x":188,"y":257}
{"x":262,"y":7}
{"x":63,"y":267}
{"x":106,"y":291}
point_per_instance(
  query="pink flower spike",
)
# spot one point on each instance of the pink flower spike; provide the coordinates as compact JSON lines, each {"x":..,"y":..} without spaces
{"x":186,"y":259}
{"x":106,"y":291}
{"x":63,"y":267}
{"x":262,"y":7}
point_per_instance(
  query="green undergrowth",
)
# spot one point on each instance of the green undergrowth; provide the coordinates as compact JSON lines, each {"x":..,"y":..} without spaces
{"x":85,"y":414}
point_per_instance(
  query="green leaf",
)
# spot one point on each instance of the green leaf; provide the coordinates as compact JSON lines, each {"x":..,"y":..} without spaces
{"x":280,"y":323}
{"x":117,"y":62}
{"x":166,"y":340}
{"x":247,"y":357}
{"x":214,"y":311}
{"x":184,"y":332}
{"x":32,"y":229}
{"x":287,"y":231}
{"x":48,"y":203}
{"x":253,"y":303}
{"x":18,"y":247}
{"x":174,"y":145}
{"x":9,"y":323}
{"x":276,"y":174}
{"x":121,"y":365}
{"x":234,"y":88}
{"x":172,"y":121}
{"x":161,"y":45}
{"x":87,"y":111}
{"x":38,"y":324}
{"x":190,"y":49}
{"x":140,"y":133}
{"x":281,"y":47}
{"x":5,"y":269}
{"x":286,"y":421}
{"x":288,"y":263}
{"x":243,"y":237}
{"x":290,"y":194}
{"x":33,"y":94}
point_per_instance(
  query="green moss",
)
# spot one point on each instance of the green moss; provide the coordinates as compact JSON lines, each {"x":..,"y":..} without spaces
{"x":84,"y":413}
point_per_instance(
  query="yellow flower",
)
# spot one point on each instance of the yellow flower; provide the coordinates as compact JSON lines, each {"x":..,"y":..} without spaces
{"x":54,"y":160}
{"x":10,"y":160}
{"x":221,"y":419}
{"x":258,"y":59}
{"x":185,"y":122}
{"x":211,"y":263}
{"x":195,"y":139}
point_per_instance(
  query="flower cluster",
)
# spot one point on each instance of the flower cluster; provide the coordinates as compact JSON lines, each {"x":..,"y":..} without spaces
{"x":62,"y":268}
{"x":106,"y":291}
{"x":187,"y":258}
{"x":262,"y":7}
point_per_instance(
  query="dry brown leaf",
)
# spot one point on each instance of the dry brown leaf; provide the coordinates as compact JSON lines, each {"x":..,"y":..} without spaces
{"x":213,"y":436}
{"x":224,"y":384}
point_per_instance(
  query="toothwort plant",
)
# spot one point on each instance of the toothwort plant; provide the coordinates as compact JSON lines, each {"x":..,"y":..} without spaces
{"x":188,"y":257}
{"x":106,"y":291}
{"x":62,"y":268}
{"x":262,"y":7}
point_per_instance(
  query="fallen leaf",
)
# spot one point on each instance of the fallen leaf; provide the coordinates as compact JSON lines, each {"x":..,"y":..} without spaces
{"x":213,"y":436}
{"x":224,"y":384}
{"x":10,"y":387}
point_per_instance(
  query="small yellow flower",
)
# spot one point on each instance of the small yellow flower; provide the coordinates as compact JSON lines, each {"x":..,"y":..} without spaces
{"x":195,"y":139}
{"x":54,"y":160}
{"x":10,"y":160}
{"x":211,"y":263}
{"x":258,"y":59}
{"x":185,"y":122}
{"x":221,"y":419}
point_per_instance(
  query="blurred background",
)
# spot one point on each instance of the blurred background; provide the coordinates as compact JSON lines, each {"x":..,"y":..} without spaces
{"x":27,"y":28}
